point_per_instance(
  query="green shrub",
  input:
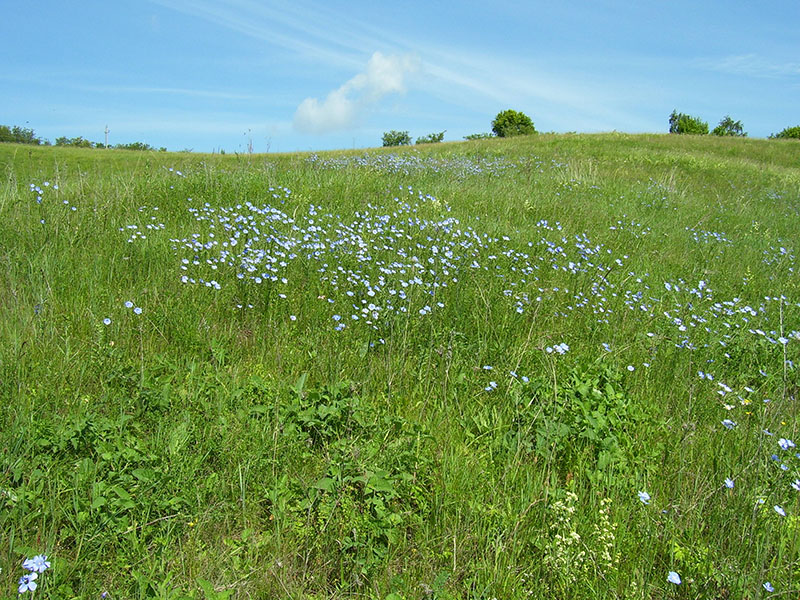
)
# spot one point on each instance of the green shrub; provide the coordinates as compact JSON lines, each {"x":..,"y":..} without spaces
{"x":396,"y":138}
{"x":431,"y":138}
{"x":510,"y":122}
{"x":729,"y":127}
{"x":78,"y":142}
{"x":479,"y":136}
{"x":681,"y":123}
{"x":19,"y":135}
{"x":588,"y":421}
{"x":788,"y":133}
{"x":134,"y":146}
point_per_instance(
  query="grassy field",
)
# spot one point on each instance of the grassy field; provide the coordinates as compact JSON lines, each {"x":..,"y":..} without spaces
{"x":559,"y":366}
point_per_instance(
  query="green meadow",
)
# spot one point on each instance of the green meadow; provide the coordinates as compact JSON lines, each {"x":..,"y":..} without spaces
{"x":551,"y":366}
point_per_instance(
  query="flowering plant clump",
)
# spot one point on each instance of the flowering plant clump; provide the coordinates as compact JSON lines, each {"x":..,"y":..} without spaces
{"x":564,"y":555}
{"x":605,"y":558}
{"x":573,"y":557}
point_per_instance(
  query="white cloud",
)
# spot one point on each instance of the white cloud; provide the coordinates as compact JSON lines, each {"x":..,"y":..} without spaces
{"x":750,"y":65}
{"x":344,"y":106}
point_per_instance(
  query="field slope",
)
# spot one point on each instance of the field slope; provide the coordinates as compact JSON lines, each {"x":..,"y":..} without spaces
{"x":557,"y":366}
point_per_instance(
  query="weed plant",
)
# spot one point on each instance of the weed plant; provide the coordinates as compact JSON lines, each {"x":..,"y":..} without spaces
{"x":560,"y":366}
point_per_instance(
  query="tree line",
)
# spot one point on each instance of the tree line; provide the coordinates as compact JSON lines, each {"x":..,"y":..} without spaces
{"x":509,"y":123}
{"x":24,"y":135}
{"x":686,"y":124}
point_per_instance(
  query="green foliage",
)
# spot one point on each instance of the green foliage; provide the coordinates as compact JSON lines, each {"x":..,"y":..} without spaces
{"x":77,"y":142}
{"x":789,"y":133}
{"x":80,"y":142}
{"x":588,"y":420}
{"x":111,"y":465}
{"x":324,"y":414}
{"x":134,"y":146}
{"x":686,"y":124}
{"x":212,"y":594}
{"x":431,"y":138}
{"x":22,"y":135}
{"x":697,"y":561}
{"x":374,"y":476}
{"x":479,"y":136}
{"x":396,"y":138}
{"x":729,"y":127}
{"x":511,"y":122}
{"x":19,"y":135}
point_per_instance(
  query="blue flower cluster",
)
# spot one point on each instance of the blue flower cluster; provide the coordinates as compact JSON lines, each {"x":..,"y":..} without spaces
{"x":39,"y":192}
{"x":409,"y":163}
{"x":34,"y":567}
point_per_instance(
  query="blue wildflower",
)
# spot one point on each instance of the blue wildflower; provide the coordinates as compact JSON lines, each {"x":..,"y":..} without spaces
{"x":644,"y":497}
{"x":27,"y":582}
{"x":673,"y":577}
{"x":38,"y":563}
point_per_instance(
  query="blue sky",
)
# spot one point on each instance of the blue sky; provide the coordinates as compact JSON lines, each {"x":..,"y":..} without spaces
{"x":307,"y":75}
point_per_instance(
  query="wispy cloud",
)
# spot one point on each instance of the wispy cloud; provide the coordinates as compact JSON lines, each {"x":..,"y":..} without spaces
{"x":458,"y":76}
{"x":343,"y":107}
{"x":72,"y":81}
{"x":751,"y":65}
{"x":164,"y":91}
{"x":584,"y":100}
{"x":294,"y":26}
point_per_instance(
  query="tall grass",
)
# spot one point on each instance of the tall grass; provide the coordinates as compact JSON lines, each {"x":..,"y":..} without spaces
{"x":552,"y":366}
